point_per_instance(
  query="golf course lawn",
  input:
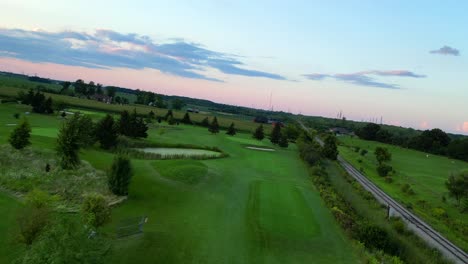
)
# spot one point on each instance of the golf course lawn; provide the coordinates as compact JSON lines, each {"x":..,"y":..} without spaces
{"x":250,"y":207}
{"x":425,"y":173}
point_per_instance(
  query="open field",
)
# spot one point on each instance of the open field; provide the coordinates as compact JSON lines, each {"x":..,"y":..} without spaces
{"x":426,"y":174}
{"x":251,"y":207}
{"x":84,"y":105}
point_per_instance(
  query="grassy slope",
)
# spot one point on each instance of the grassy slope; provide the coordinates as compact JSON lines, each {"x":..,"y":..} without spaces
{"x":253,"y":207}
{"x":426,"y":175}
{"x":8,"y":209}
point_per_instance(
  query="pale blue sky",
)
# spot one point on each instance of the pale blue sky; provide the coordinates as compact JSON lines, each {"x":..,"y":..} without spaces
{"x":361,"y":48}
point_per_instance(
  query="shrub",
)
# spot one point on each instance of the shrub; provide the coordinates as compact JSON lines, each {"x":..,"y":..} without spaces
{"x":95,"y":210}
{"x":407,"y":189}
{"x":398,"y":225}
{"x":364,"y":152}
{"x":439,"y":213}
{"x":19,"y":138}
{"x":384,"y":169}
{"x":120,"y":175}
{"x":388,"y":179}
{"x":375,"y":237}
{"x":34,"y":217}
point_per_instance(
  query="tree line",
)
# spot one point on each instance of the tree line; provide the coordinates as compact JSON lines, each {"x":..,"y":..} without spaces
{"x":433,"y":141}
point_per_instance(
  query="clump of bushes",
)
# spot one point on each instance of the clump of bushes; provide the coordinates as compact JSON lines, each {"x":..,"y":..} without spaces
{"x":406,"y":188}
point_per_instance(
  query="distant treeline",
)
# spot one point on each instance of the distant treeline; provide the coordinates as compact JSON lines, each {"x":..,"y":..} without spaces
{"x":433,"y":141}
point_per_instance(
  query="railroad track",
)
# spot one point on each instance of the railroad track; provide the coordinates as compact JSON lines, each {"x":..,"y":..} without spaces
{"x":419,"y":227}
{"x":433,"y":237}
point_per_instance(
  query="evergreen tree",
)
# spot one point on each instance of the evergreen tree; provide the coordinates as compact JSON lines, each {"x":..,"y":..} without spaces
{"x":37,"y":103}
{"x":151,"y":115}
{"x":169,"y":113}
{"x":120,"y":175}
{"x":259,"y":134}
{"x":106,"y":132}
{"x":68,"y":143}
{"x":330,"y":149}
{"x":138,"y":127}
{"x":170,"y":120}
{"x":86,"y":130}
{"x":19,"y":138}
{"x":205,"y":122}
{"x":48,"y":106}
{"x":276,"y":133}
{"x":186,"y":119}
{"x":125,"y":123}
{"x":283,"y":142}
{"x":231,"y":130}
{"x":214,"y":126}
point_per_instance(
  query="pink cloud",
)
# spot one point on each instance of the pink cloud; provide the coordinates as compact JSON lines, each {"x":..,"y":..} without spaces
{"x":465,"y":127}
{"x":424,"y":125}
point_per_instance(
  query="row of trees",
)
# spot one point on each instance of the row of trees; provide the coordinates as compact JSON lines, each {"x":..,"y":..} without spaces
{"x":433,"y":141}
{"x":40,"y":104}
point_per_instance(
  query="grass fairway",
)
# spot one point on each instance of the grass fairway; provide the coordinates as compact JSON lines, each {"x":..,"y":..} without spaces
{"x":425,"y":174}
{"x":251,"y":207}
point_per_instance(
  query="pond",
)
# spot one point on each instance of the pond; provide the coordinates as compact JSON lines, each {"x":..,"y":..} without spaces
{"x":180,"y":151}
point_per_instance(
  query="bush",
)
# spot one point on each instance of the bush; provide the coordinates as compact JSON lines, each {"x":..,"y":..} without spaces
{"x":376,"y":237}
{"x":388,"y":179}
{"x":34,"y":217}
{"x":19,"y":138}
{"x":95,"y":210}
{"x":439,"y":213}
{"x":384,"y":169}
{"x":398,"y":225}
{"x":120,"y":175}
{"x":407,"y":189}
{"x":364,"y":152}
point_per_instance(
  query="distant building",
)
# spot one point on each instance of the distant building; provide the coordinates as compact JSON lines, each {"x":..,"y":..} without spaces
{"x":193,"y":110}
{"x":103,"y":98}
{"x":341,"y":131}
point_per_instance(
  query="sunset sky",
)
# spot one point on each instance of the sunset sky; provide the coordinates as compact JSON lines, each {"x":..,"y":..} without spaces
{"x":403,"y":60}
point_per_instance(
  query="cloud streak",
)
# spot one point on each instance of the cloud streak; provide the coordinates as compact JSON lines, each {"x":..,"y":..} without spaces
{"x":107,"y":49}
{"x":446,"y":50}
{"x":365,"y":78}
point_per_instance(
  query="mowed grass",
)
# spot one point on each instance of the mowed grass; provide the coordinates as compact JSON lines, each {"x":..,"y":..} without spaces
{"x":425,"y":173}
{"x":251,"y":207}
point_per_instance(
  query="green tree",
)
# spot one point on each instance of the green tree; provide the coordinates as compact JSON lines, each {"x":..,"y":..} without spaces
{"x":382,"y":155}
{"x":259,"y":134}
{"x":169,"y":113}
{"x":291,"y":132}
{"x":275,"y":133}
{"x":283,"y":142}
{"x":214,"y":126}
{"x":151,"y":115}
{"x":86,"y":130}
{"x":186,"y":119}
{"x":457,"y":186}
{"x":68,"y":143}
{"x":48,"y":106}
{"x":19,"y":138}
{"x":106,"y":132}
{"x":95,"y":210}
{"x":120,"y":175}
{"x":231,"y":130}
{"x":330,"y":149}
{"x":171,"y":120}
{"x":125,"y":123}
{"x":178,"y":104}
{"x":205,"y":122}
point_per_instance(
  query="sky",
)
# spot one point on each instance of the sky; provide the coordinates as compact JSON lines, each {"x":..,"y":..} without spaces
{"x":404,"y":61}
